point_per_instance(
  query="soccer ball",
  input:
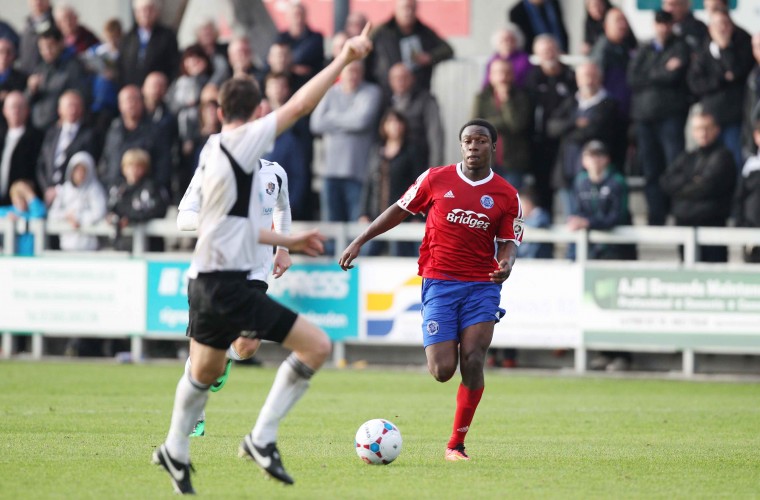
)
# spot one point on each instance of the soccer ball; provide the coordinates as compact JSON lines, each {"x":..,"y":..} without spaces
{"x":378,"y":442}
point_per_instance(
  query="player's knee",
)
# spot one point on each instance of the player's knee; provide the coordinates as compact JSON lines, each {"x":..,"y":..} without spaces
{"x":246,"y":348}
{"x":440,"y":372}
{"x":322,"y":347}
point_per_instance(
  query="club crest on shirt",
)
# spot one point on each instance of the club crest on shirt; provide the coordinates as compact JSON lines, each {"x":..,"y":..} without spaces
{"x":486,"y":201}
{"x":270,"y":187}
{"x":432,"y":327}
{"x":518,"y":225}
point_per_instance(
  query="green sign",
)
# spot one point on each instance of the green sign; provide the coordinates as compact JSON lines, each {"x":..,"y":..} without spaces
{"x":673,"y":291}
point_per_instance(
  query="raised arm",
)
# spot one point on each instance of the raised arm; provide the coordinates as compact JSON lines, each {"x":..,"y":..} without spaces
{"x":306,"y":99}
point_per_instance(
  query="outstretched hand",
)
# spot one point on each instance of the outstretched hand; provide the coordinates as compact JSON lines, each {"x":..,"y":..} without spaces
{"x":358,"y":47}
{"x":502,"y":273}
{"x":308,"y":242}
{"x":349,"y":254}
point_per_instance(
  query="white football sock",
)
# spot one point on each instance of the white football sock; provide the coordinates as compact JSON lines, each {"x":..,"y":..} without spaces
{"x":289,"y":385}
{"x":189,"y":401}
{"x":202,"y":416}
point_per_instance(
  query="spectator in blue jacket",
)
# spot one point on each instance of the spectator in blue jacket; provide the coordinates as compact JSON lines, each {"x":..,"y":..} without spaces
{"x":25,"y":205}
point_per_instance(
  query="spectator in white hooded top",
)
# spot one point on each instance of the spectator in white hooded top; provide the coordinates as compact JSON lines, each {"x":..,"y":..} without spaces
{"x":81,"y":201}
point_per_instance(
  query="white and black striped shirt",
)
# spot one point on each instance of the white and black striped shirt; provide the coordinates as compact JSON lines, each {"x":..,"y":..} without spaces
{"x":228,"y":221}
{"x":275,"y":210}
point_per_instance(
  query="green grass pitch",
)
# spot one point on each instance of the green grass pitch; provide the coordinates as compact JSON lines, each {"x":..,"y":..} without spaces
{"x":87,"y":430}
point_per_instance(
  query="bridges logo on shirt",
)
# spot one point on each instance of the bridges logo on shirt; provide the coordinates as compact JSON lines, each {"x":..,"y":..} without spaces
{"x":468,"y":218}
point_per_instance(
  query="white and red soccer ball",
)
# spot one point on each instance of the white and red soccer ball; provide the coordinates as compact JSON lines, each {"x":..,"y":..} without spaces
{"x":378,"y":442}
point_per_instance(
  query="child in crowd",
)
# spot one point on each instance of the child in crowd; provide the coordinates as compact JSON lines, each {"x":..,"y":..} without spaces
{"x":81,"y":201}
{"x":25,"y":205}
{"x":137,"y":199}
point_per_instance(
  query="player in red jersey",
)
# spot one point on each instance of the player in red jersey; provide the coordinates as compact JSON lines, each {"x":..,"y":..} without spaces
{"x":474,"y":225}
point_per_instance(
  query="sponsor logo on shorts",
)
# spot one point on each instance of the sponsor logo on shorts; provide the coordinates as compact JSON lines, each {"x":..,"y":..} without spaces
{"x":486,"y":201}
{"x":469,"y":218}
{"x":432,"y":327}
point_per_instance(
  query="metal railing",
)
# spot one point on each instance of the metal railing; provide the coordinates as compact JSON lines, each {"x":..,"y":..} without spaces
{"x":690,"y":238}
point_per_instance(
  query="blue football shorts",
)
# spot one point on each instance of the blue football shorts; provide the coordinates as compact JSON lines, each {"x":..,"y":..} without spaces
{"x":448,"y":307}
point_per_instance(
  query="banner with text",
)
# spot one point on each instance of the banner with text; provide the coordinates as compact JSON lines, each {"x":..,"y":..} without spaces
{"x":671,"y":301}
{"x":322,"y":292}
{"x":72,"y":296}
{"x":542,"y":316}
{"x":167,"y":310}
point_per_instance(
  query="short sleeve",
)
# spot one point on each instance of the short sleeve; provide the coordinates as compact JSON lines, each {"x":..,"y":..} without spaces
{"x":512,"y":224}
{"x":419,"y":196}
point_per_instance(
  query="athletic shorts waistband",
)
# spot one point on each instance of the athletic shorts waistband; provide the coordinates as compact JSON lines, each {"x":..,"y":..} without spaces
{"x":225,"y":274}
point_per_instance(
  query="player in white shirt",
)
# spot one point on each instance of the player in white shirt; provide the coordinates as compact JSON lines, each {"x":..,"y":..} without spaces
{"x":221,"y":303}
{"x":275,"y":212}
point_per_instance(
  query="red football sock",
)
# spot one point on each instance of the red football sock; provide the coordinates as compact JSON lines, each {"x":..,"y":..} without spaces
{"x":467,"y":403}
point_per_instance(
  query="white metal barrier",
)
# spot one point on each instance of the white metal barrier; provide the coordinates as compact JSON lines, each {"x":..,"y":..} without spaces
{"x":687,"y":237}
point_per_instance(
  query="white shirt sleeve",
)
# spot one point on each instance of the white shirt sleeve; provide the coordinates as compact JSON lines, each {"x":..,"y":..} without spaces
{"x":282,"y":217}
{"x":187,"y":218}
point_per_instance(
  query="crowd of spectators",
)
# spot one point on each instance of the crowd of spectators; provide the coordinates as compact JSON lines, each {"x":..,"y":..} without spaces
{"x":108,"y":126}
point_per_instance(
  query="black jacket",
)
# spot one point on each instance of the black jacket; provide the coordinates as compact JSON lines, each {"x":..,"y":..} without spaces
{"x":659,"y":93}
{"x":701,"y":184}
{"x":603,"y":125}
{"x":748,"y":197}
{"x":387,"y":52}
{"x":519,"y":16}
{"x":161,"y":54}
{"x":722,"y":98}
{"x":47,"y":174}
{"x":22,"y":160}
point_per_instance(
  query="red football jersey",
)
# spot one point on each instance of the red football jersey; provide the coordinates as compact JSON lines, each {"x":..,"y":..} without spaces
{"x":464,"y":220}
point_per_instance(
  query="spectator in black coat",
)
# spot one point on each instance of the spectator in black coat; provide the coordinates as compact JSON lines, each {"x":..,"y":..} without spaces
{"x":718,"y":77}
{"x":539,"y":17}
{"x":404,"y":38}
{"x":68,"y":136}
{"x":19,"y":142}
{"x":133,"y":129}
{"x":685,"y":25}
{"x":60,"y":70}
{"x":701,"y":183}
{"x":748,"y":197}
{"x":549,"y":83}
{"x":10,"y":78}
{"x":751,"y":105}
{"x":149,"y":46}
{"x":590,"y":114}
{"x":306,"y":46}
{"x":657,"y":76}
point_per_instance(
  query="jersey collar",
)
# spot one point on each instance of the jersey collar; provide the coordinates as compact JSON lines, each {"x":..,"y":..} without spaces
{"x":460,"y":172}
